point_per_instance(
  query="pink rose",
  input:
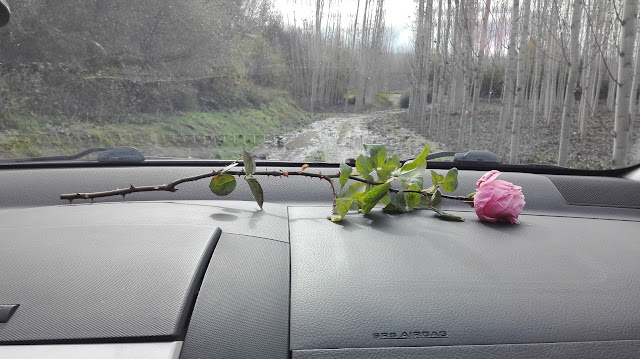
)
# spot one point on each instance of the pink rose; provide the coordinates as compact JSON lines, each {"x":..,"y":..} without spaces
{"x":497,"y":200}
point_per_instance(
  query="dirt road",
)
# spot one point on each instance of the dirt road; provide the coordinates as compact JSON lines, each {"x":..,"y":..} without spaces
{"x":341,"y":136}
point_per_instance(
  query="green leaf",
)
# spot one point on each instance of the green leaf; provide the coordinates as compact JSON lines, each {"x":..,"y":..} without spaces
{"x":388,"y":167}
{"x":355,"y":206}
{"x":393,"y":161}
{"x":222,"y":184}
{"x":249,"y":164}
{"x":417,"y":171}
{"x":413,"y":199}
{"x":450,"y":182}
{"x":392,"y":209}
{"x":449,"y":217}
{"x":401,"y":202}
{"x":256,"y":190}
{"x":371,"y":198}
{"x":471,"y":195}
{"x":435,"y":199}
{"x":424,"y":203}
{"x":386,"y":199}
{"x":436,"y":178}
{"x":418,"y":161}
{"x":363,"y":165}
{"x":398,"y":205}
{"x":418,"y":181}
{"x":226,"y":169}
{"x":378,"y":154}
{"x":345,"y":172}
{"x":341,"y":207}
{"x":353,"y":189}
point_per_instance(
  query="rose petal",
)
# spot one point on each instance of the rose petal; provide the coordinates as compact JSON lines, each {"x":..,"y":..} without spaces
{"x":498,"y":200}
{"x":487,"y":177}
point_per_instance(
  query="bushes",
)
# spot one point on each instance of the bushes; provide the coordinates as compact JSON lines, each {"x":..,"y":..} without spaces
{"x":383,"y":99}
{"x":404,"y":100}
{"x":43,"y":90}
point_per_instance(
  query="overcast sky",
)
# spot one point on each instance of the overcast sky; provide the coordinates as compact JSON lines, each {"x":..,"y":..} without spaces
{"x":399,"y":14}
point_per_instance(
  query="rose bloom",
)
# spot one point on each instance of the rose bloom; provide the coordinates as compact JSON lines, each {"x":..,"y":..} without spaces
{"x":496,"y":200}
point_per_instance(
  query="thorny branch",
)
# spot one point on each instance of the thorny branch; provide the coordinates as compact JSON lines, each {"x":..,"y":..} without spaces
{"x":172,"y":186}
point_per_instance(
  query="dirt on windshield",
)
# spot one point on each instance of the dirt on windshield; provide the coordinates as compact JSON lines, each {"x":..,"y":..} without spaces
{"x":341,"y":136}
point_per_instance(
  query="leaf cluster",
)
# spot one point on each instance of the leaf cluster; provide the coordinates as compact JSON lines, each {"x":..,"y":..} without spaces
{"x":379,"y":179}
{"x":376,"y":175}
{"x":223,"y":183}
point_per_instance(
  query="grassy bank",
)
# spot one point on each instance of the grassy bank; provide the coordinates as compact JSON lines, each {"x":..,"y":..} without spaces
{"x":206,"y":134}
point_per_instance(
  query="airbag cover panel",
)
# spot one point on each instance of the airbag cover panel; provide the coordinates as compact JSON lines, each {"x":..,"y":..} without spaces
{"x":548,"y":279}
{"x":105,"y":281}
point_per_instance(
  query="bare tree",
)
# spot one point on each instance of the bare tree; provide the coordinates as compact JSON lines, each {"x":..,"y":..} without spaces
{"x":477,"y":74}
{"x":508,"y":92}
{"x":574,"y":64}
{"x":520,"y":84}
{"x":624,"y":82}
{"x":633,"y":101}
{"x":315,"y":55}
{"x":538,"y":63}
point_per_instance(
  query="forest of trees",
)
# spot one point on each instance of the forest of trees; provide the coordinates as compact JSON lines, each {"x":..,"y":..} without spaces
{"x":102,"y":61}
{"x":539,"y":55}
{"x":105,"y":60}
{"x":110,"y":61}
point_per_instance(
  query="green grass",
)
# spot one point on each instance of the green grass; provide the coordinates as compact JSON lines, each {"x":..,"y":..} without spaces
{"x":318,"y":156}
{"x":179,"y":134}
{"x":345,"y":127}
{"x":383,"y":99}
{"x":270,"y":118}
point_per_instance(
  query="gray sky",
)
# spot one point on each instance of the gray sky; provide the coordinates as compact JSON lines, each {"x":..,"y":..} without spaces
{"x":399,"y":14}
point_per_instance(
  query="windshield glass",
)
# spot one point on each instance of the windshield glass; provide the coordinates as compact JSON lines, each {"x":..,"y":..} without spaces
{"x":535,"y":82}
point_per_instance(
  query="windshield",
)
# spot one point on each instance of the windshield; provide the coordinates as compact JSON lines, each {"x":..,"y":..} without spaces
{"x":535,"y":82}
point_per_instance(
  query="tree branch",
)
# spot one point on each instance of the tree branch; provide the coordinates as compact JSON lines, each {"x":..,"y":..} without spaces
{"x":171,"y":186}
{"x":595,"y":38}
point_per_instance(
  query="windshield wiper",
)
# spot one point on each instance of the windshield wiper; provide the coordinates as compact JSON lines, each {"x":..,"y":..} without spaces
{"x":122,"y":154}
{"x":469,"y":157}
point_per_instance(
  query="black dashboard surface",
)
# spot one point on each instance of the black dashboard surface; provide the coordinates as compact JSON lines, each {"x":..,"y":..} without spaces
{"x":564,"y":280}
{"x":411,"y":280}
{"x":80,"y":279}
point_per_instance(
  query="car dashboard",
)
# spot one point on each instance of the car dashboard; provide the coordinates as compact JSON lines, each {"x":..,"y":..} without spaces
{"x":191,"y":275}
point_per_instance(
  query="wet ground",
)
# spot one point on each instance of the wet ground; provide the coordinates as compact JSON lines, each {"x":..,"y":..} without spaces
{"x":342,"y":136}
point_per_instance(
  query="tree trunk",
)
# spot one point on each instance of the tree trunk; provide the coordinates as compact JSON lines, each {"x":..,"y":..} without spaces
{"x":316,"y":54}
{"x":538,"y":68}
{"x":633,"y":101}
{"x":364,"y":56}
{"x":584,"y":82}
{"x":565,"y":132}
{"x":463,"y":117}
{"x":442,"y":123}
{"x":551,"y":73}
{"x":520,"y":84}
{"x":435,"y":99}
{"x":508,"y":91}
{"x":478,"y":75}
{"x":625,"y":74}
{"x":351,"y":57}
{"x":417,"y":68}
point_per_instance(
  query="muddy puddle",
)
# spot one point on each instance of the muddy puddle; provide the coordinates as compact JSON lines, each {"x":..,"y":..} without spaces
{"x":301,"y":141}
{"x":339,"y":137}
